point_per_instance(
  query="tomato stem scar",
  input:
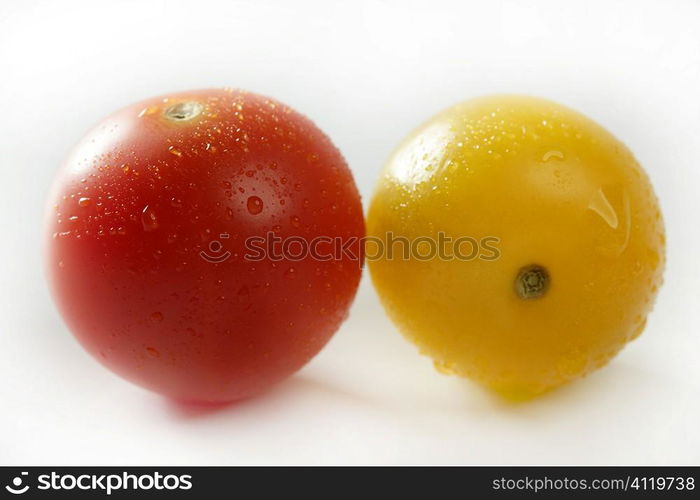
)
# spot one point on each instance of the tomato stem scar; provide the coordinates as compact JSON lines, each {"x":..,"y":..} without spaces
{"x":531,"y":282}
{"x":183,"y":111}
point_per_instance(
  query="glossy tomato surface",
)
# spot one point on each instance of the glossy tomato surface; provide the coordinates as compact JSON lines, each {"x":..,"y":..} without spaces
{"x":578,"y":233}
{"x":148,"y":243}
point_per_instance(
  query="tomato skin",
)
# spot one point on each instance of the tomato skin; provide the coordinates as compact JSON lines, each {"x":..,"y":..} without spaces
{"x":564,"y":198}
{"x":139,"y":200}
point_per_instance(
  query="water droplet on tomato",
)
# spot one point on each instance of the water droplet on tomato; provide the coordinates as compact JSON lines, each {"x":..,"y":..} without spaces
{"x":255,"y":205}
{"x":84,"y":202}
{"x":612,"y":205}
{"x":148,"y":111}
{"x":445,"y":367}
{"x":553,"y":154}
{"x":149,"y":221}
{"x":602,"y":206}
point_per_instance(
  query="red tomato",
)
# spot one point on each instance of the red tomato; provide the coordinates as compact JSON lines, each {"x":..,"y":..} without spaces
{"x":146,"y":243}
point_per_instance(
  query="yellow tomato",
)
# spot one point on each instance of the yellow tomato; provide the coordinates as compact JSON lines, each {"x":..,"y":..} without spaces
{"x":561,"y":251}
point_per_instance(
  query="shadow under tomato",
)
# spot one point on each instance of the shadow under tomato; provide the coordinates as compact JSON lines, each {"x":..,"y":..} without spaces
{"x":280,"y":397}
{"x":195,"y":409}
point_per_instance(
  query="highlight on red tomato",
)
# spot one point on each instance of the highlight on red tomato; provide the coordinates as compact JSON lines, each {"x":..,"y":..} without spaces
{"x":191,"y":243}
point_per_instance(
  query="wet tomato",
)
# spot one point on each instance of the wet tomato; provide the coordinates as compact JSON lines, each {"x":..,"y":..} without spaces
{"x":148,"y":255}
{"x":563,"y":243}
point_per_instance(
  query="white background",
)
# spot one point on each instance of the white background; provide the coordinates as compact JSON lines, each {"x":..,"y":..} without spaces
{"x":366,"y":73}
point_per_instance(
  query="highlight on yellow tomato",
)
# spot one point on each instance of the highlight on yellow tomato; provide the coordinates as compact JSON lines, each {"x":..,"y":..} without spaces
{"x":521,"y":243}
